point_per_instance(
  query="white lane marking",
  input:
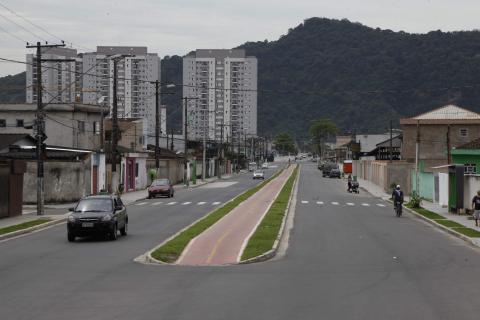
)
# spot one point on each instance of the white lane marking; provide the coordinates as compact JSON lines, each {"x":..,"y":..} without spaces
{"x":216,"y":203}
{"x":141,"y":203}
{"x":335,"y":203}
{"x":365,"y":205}
{"x":171,"y":203}
{"x":350,"y":204}
{"x":221,"y":184}
{"x":185,"y":203}
{"x":157,"y":203}
{"x":201,"y":203}
{"x":303,"y":201}
{"x":319,"y":202}
{"x":380,"y":205}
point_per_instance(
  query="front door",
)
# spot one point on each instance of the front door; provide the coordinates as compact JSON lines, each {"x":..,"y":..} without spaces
{"x":95,"y":180}
{"x":130,"y":174}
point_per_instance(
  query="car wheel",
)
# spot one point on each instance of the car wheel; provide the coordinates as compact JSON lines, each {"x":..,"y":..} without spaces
{"x":123,"y":231}
{"x":70,"y":237}
{"x":113,"y":234}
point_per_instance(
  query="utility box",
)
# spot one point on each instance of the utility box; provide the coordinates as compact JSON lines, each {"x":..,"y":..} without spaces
{"x":11,"y":187}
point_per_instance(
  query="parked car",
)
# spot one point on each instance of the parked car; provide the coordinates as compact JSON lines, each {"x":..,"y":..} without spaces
{"x":335,"y":173}
{"x":265,"y":165}
{"x":97,"y":215}
{"x":160,"y":187}
{"x":327,"y":168}
{"x":258,"y":174}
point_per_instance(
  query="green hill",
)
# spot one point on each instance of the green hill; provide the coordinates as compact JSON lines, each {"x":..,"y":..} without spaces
{"x":359,"y":76}
{"x":12,"y":88}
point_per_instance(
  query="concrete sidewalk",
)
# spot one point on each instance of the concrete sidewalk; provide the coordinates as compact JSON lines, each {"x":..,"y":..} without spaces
{"x":224,"y":241}
{"x":464,"y":220}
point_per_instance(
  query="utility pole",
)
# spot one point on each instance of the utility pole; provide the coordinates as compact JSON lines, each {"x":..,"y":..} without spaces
{"x":115,"y":181}
{"x":416,"y":158}
{"x":220,"y":150}
{"x":185,"y":163}
{"x":157,"y":127}
{"x":40,"y":125}
{"x":171,"y":142}
{"x":204,"y":151}
{"x":449,"y":157}
{"x":391,"y":142}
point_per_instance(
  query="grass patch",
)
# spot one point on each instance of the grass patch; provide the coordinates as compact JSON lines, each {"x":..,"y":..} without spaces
{"x":428,"y":214}
{"x":172,"y":250}
{"x":267,"y":232}
{"x":449,"y":223}
{"x":24,"y":225}
{"x":467,"y":232}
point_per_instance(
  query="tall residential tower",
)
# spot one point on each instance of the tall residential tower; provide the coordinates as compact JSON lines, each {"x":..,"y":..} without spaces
{"x":224,"y":85}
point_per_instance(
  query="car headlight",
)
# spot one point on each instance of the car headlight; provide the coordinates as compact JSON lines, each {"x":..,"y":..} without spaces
{"x":71,"y":218}
{"x":107,"y":218}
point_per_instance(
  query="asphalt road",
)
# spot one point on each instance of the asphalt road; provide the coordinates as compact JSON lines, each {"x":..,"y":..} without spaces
{"x":344,"y":261}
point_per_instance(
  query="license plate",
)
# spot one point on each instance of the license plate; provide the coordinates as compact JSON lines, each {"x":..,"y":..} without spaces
{"x":87,"y":225}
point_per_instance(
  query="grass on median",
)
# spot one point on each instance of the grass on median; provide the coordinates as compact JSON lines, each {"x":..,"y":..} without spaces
{"x":267,"y":232}
{"x":449,"y":223}
{"x":172,"y":250}
{"x":427,"y":213}
{"x":467,"y":232}
{"x":24,"y":225}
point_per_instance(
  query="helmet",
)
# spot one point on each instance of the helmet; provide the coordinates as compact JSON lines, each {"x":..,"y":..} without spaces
{"x":398,"y":187}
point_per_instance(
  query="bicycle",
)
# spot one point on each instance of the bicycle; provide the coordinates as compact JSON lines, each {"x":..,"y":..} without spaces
{"x":398,"y":209}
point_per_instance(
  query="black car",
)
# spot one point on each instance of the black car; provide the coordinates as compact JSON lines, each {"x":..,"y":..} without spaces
{"x":327,"y":168}
{"x":97,"y":215}
{"x":334,"y":173}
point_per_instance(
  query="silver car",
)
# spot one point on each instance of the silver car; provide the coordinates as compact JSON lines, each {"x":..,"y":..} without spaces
{"x":258,"y":174}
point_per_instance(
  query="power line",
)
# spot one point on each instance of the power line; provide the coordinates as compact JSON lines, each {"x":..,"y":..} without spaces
{"x":22,"y":27}
{"x":13,"y":35}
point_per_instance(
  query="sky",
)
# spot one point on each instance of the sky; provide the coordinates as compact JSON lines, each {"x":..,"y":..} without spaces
{"x":170,"y":27}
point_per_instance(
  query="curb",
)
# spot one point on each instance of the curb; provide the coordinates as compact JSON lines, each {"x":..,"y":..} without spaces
{"x":31,"y":229}
{"x":272,"y":252}
{"x":147,"y":258}
{"x":444,"y":228}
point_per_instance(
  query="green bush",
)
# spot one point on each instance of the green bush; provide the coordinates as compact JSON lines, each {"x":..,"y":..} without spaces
{"x":415,"y":200}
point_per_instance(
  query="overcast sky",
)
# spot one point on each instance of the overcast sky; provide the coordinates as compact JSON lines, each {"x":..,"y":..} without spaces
{"x":171,"y":27}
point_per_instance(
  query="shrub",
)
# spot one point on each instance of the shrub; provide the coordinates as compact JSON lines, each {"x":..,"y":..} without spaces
{"x":415,"y":200}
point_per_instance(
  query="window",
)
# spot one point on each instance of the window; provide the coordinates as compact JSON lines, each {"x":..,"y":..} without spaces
{"x":136,"y":170}
{"x":3,"y":123}
{"x":463,"y":132}
{"x":96,"y":127}
{"x":81,"y":126}
{"x":20,"y":123}
{"x":470,"y":168}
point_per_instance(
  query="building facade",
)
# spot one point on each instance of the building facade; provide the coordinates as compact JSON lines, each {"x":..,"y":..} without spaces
{"x":221,"y":91}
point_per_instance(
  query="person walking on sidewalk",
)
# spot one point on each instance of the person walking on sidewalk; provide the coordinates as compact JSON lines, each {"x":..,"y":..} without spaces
{"x":476,"y":208}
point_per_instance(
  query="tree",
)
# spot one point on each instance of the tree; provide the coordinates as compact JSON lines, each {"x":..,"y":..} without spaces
{"x":284,"y":143}
{"x":321,"y":130}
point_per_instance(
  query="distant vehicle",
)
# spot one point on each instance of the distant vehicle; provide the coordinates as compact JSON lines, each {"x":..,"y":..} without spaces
{"x":93,"y":215}
{"x":327,"y":168}
{"x":335,"y":173}
{"x":258,"y":174}
{"x":265,"y":165}
{"x":252,"y":166}
{"x":270,"y":157}
{"x":161,"y":187}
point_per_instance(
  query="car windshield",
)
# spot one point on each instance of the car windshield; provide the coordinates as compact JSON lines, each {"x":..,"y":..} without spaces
{"x":160,"y":182}
{"x":258,"y":171}
{"x":94,"y":205}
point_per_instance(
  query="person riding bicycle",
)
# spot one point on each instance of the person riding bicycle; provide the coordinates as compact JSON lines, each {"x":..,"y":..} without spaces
{"x":397,"y":196}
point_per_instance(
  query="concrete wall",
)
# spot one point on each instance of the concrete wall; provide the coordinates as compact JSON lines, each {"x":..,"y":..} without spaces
{"x":443,"y":189}
{"x":171,"y":169}
{"x":64,"y":181}
{"x":426,"y":184}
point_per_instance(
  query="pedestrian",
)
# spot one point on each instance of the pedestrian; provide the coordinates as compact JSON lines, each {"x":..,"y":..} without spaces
{"x":476,"y":207}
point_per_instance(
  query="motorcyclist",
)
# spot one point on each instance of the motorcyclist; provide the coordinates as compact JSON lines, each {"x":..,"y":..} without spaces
{"x":397,"y":196}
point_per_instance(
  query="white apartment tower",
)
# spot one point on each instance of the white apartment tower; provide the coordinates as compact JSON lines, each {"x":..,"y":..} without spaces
{"x":59,"y":81}
{"x":222,"y":85}
{"x":135,"y":69}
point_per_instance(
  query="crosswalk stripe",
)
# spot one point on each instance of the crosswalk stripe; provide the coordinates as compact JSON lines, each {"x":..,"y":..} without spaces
{"x":350,"y":204}
{"x":171,"y":203}
{"x":185,"y":203}
{"x":303,"y":201}
{"x":157,"y":203}
{"x":201,"y":203}
{"x":380,"y":205}
{"x":215,"y":203}
{"x":365,"y":204}
{"x":319,"y":202}
{"x":335,"y":203}
{"x":141,"y":203}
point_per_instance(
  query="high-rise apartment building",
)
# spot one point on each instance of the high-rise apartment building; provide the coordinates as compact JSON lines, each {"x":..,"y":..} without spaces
{"x":222,"y":87}
{"x":135,"y":69}
{"x":90,"y":78}
{"x":58,"y":78}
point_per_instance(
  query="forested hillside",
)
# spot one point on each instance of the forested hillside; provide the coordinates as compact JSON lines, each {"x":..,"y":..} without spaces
{"x":359,"y":76}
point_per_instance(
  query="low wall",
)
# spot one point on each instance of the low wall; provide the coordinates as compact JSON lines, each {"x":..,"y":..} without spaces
{"x":65,"y":181}
{"x":170,"y":169}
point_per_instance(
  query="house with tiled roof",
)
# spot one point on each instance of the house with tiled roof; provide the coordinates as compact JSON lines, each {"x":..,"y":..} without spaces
{"x":437,"y":132}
